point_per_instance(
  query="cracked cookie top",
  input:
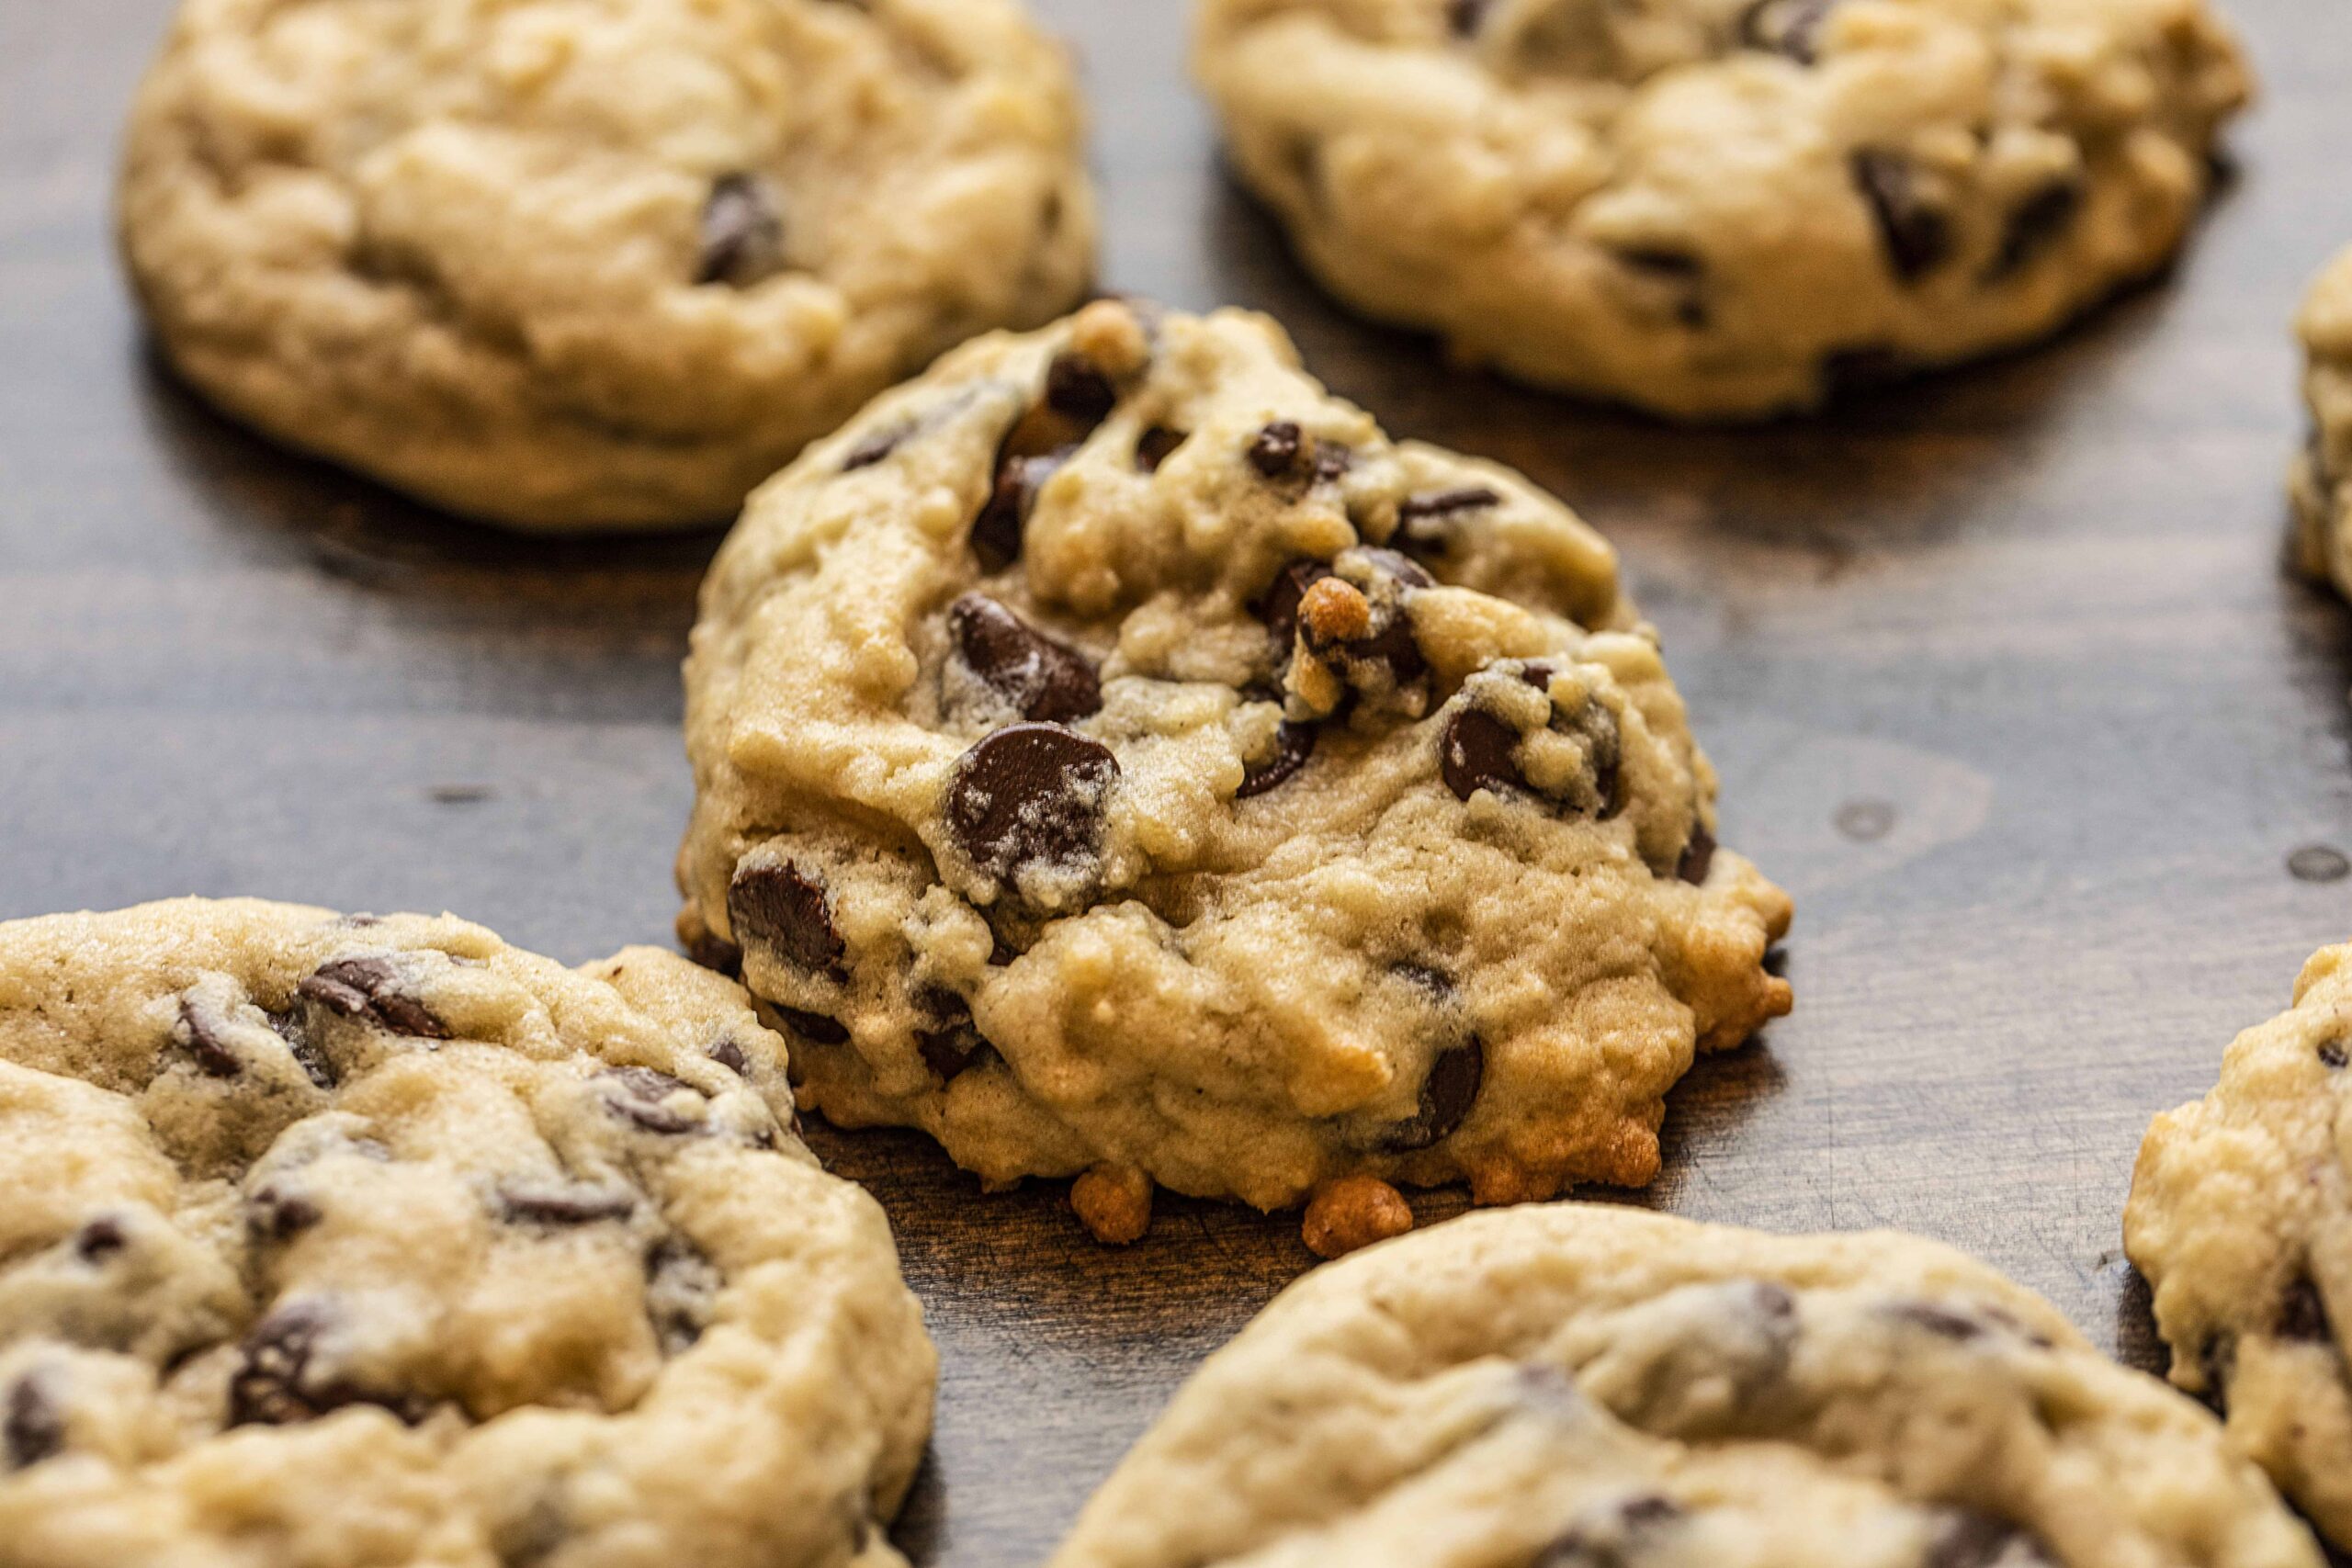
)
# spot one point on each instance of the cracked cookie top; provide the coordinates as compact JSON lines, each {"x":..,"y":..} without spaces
{"x":584,"y":265}
{"x":379,"y":1241}
{"x":1723,"y":207}
{"x":1113,"y":749}
{"x":1574,"y":1386}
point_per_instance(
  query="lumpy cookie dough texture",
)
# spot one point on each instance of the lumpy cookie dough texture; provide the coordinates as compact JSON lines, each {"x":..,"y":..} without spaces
{"x":593,"y":263}
{"x":1721,"y":208}
{"x":1583,"y":1387}
{"x":2320,"y":482}
{"x":1115,"y":755}
{"x":2241,"y":1219}
{"x":346,"y":1243}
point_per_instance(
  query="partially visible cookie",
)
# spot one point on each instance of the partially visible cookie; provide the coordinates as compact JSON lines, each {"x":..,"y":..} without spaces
{"x":2241,"y":1218}
{"x":1583,"y":1387}
{"x":360,"y":1243}
{"x":1723,"y":209}
{"x":593,"y":263}
{"x":2320,"y":482}
{"x":1114,"y":755}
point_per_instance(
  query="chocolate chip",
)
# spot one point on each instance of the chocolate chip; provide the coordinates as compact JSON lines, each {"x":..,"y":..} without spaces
{"x":1293,"y":744}
{"x":576,"y":1203}
{"x":874,"y":449}
{"x":1790,"y":27}
{"x":368,"y":989}
{"x":1041,"y":679}
{"x":100,"y":1239}
{"x":997,"y":533}
{"x":1969,"y":1539}
{"x":644,"y":1096}
{"x":716,"y":953}
{"x":276,"y":1214}
{"x":200,"y":1033}
{"x":34,"y":1428}
{"x":2303,"y":1315}
{"x":1601,"y":1539}
{"x":728,"y":1055}
{"x":2037,"y":222}
{"x":1156,"y":445}
{"x":1030,"y":796}
{"x":788,"y":912}
{"x":950,"y":1053}
{"x":1278,"y":607}
{"x":1697,"y":857}
{"x":1678,"y":270}
{"x":743,"y":232}
{"x":2332,"y":1054}
{"x":1943,"y":1322}
{"x":1274,"y":451}
{"x":1436,"y":982}
{"x":314,"y":1062}
{"x":1332,"y":461}
{"x":681,"y":1290}
{"x":1915,"y":234}
{"x":1076,"y":389}
{"x":813,"y":1026}
{"x":1649,"y":1508}
{"x":1476,"y":753}
{"x":1425,"y":523}
{"x":277,"y":1383}
{"x":1462,"y":17}
{"x":1447,"y":1095}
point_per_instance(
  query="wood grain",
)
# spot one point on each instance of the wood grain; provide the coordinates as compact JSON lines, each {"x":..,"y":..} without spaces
{"x":2001,"y":672}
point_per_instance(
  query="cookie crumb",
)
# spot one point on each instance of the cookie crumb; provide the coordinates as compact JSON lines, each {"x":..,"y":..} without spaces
{"x":1353,"y":1213}
{"x":1113,"y":1202}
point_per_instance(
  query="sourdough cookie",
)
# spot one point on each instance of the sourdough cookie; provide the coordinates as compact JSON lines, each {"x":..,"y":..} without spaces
{"x":2321,"y":482}
{"x":1584,"y":1387}
{"x":2241,"y":1218}
{"x":1116,"y":756}
{"x":377,"y":1243}
{"x":1723,"y":209}
{"x":593,"y":263}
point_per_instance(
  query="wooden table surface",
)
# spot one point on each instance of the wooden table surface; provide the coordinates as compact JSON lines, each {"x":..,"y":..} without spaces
{"x":2002,"y":673}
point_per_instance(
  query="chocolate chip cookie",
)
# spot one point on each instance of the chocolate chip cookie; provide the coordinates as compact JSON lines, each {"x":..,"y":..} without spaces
{"x":2238,"y":1217}
{"x":2319,"y":482}
{"x":379,"y":1242}
{"x":1723,"y":209}
{"x":1116,"y":756}
{"x":1583,"y":1387}
{"x":584,"y":265}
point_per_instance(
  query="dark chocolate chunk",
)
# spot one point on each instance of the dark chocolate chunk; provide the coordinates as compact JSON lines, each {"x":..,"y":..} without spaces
{"x":1279,"y":606}
{"x":1447,"y":1095}
{"x":1274,"y":451}
{"x":33,"y":1427}
{"x":1476,"y":753}
{"x":644,"y":1101}
{"x":1030,"y":795}
{"x":2303,"y":1315}
{"x":728,"y":1055}
{"x":949,"y":1053}
{"x":368,"y":989}
{"x":787,"y":911}
{"x":997,"y":532}
{"x":716,"y":953}
{"x":1076,"y":390}
{"x":277,"y":1382}
{"x":1044,"y":679}
{"x":1697,"y":857}
{"x":1973,"y":1540}
{"x":743,"y":232}
{"x":1792,"y":27}
{"x":1293,"y":744}
{"x":2036,"y":224}
{"x":814,"y":1026}
{"x":1915,"y":234}
{"x":200,"y":1031}
{"x":574,"y":1203}
{"x":100,"y":1239}
{"x":1156,"y":445}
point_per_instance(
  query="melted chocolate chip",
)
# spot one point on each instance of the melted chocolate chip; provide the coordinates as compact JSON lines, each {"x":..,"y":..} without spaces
{"x":715,"y":953}
{"x":953,"y":1047}
{"x":1973,"y":1540}
{"x":576,"y":1203}
{"x":277,"y":1383}
{"x":1030,"y":795}
{"x":200,"y":1031}
{"x":1076,"y":389}
{"x":272,"y":1214}
{"x":2036,"y":224}
{"x":2303,"y":1315}
{"x":1915,"y":234}
{"x":643,"y":1101}
{"x":1274,"y":451}
{"x":787,"y":911}
{"x":1476,"y":753}
{"x":728,"y":1055}
{"x":743,"y":232}
{"x":1447,"y":1095}
{"x":873,"y":449}
{"x":33,"y":1427}
{"x":1790,"y":27}
{"x":1697,"y":857}
{"x":1043,"y":679}
{"x":1293,"y":744}
{"x":100,"y":1239}
{"x":812,"y":1026}
{"x":997,"y":532}
{"x":1156,"y":445}
{"x":368,"y":989}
